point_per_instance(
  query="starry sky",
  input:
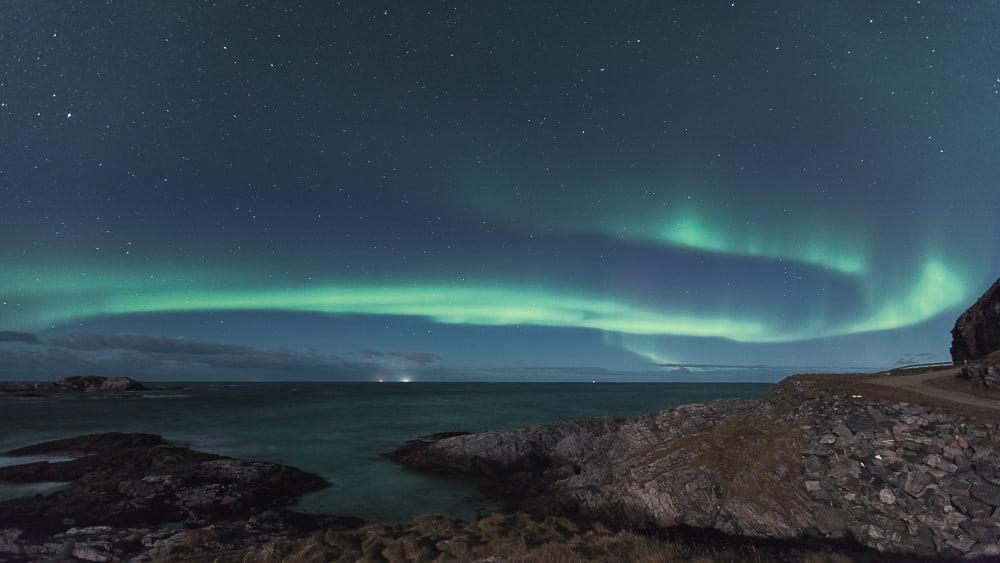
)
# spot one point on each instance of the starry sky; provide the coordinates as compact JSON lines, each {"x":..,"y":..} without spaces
{"x":484,"y":190}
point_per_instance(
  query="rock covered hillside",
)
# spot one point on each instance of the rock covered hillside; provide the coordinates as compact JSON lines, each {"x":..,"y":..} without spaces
{"x":809,"y":460}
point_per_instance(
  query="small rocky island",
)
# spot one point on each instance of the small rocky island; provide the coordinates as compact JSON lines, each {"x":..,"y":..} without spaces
{"x":73,"y":384}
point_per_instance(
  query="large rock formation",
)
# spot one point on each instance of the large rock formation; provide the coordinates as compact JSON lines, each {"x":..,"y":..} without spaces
{"x":136,"y":496}
{"x":977,"y":330}
{"x":806,"y":462}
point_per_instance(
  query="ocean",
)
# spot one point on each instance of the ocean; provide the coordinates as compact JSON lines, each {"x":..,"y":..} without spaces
{"x":340,"y":430}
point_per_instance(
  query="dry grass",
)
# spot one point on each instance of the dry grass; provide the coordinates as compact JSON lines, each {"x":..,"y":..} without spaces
{"x":753,"y":457}
{"x":624,"y":547}
{"x":597,"y":545}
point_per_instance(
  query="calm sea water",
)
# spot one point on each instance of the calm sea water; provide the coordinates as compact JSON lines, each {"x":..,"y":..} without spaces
{"x":339,"y":430}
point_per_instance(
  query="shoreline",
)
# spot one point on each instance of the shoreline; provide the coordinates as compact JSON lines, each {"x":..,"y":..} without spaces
{"x":538,"y":476}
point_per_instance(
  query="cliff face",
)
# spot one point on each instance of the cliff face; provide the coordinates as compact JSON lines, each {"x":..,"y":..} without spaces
{"x":977,"y":330}
{"x":804,"y":462}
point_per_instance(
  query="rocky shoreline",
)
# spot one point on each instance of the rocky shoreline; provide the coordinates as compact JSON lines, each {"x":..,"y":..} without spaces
{"x":141,"y":498}
{"x":811,"y":469}
{"x":807,"y":463}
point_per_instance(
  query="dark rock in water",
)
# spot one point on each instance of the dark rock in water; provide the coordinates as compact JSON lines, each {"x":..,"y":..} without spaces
{"x":131,"y":486}
{"x":977,"y":330}
{"x":76,"y":383}
{"x":100,"y":383}
{"x":806,"y":462}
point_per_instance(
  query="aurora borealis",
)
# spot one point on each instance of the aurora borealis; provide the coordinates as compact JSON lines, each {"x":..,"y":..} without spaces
{"x":581,"y":185}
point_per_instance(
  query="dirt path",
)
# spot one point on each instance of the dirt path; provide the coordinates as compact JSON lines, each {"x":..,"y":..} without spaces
{"x":918,"y":383}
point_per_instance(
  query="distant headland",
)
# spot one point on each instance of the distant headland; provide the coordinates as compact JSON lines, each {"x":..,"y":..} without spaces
{"x":74,"y":384}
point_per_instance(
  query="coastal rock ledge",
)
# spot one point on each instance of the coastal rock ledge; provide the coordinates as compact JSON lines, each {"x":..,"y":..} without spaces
{"x":138,"y":497}
{"x":809,"y":461}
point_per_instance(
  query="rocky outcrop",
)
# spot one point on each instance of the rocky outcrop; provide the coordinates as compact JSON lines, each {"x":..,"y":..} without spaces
{"x":806,"y":462}
{"x":76,"y":383}
{"x":983,"y":373}
{"x":977,"y":330}
{"x":139,"y":496}
{"x":99,"y":383}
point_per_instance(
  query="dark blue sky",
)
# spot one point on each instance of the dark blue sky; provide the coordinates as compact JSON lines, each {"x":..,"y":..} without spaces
{"x":390,"y":189}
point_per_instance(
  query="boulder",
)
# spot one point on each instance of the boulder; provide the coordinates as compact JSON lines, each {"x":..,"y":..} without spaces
{"x":977,"y":330}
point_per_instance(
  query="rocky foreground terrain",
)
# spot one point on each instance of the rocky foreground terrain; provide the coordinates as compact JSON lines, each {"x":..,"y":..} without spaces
{"x":816,"y":471}
{"x":810,"y":461}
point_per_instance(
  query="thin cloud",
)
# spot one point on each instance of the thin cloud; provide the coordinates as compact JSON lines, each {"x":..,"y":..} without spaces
{"x":23,"y":337}
{"x":164,"y":357}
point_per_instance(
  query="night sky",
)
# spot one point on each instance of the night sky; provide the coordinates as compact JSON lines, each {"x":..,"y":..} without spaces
{"x":547,"y":190}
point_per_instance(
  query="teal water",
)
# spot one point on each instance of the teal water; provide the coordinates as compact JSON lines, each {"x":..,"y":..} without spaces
{"x":339,"y":430}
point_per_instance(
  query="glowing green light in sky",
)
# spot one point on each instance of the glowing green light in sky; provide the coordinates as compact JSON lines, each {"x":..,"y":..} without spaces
{"x":693,"y":230}
{"x":937,"y":287}
{"x":489,"y":306}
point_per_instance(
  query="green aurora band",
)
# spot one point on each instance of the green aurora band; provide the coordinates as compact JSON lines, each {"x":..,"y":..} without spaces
{"x":52,"y":300}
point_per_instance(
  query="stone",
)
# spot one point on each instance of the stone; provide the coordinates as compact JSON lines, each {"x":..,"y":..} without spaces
{"x":860,"y":423}
{"x":916,"y":482}
{"x":832,"y":521}
{"x":983,"y":530}
{"x":951,"y":485}
{"x":92,"y":553}
{"x":972,"y":507}
{"x":887,"y":496}
{"x":842,"y":431}
{"x":986,"y":492}
{"x":963,"y":543}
